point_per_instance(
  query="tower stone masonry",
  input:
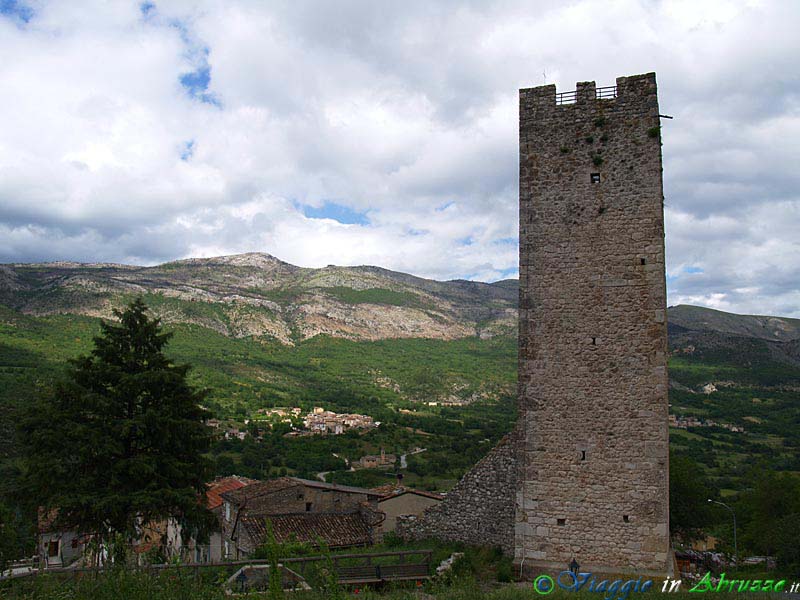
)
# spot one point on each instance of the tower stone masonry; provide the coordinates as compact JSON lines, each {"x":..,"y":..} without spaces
{"x":592,"y":459}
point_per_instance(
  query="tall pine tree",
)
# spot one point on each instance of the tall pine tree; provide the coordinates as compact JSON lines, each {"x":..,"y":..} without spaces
{"x":120,"y":442}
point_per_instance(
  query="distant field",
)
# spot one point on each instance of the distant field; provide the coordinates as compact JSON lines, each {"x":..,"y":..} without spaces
{"x":755,"y":390}
{"x":245,"y":374}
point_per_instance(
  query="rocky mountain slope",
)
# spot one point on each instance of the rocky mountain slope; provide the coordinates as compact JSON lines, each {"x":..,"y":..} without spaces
{"x":258,"y":295}
{"x":742,"y":340}
{"x":254,"y":295}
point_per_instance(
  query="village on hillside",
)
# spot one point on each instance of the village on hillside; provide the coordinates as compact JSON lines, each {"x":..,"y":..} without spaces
{"x":316,"y":422}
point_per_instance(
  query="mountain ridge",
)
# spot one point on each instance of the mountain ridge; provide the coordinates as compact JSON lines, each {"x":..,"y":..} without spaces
{"x":257,"y":294}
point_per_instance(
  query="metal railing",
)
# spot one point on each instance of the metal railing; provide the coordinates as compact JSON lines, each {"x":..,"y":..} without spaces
{"x":567,"y":97}
{"x":383,"y":566}
{"x":601,"y":93}
{"x":604,"y":93}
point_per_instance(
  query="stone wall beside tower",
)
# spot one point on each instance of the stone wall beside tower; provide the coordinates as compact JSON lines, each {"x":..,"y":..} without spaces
{"x":593,"y":461}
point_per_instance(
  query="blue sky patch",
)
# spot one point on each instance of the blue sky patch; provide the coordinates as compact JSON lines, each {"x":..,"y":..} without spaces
{"x":196,"y":82}
{"x":196,"y":85}
{"x":444,"y":206}
{"x":17,"y":11}
{"x":187,"y":151}
{"x":337,"y":212}
{"x":147,"y":9}
{"x":511,"y":241}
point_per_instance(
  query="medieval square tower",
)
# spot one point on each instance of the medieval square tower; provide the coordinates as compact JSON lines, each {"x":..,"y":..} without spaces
{"x":593,"y":459}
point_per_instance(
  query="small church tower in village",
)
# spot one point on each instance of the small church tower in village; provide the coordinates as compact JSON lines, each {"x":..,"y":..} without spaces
{"x":592,"y":457}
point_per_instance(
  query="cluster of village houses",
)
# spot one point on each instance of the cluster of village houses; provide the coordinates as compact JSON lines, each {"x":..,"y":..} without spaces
{"x":299,"y":510}
{"x":317,"y":422}
{"x":681,"y":422}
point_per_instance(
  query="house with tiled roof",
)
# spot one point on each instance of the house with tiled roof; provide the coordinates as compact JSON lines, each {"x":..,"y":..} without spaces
{"x":337,"y":530}
{"x":302,"y":508}
{"x":59,"y":547}
{"x":213,"y":551}
{"x":396,"y":500}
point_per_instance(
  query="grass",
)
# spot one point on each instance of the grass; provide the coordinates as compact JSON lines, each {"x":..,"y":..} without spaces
{"x":376,"y":296}
{"x":131,"y":585}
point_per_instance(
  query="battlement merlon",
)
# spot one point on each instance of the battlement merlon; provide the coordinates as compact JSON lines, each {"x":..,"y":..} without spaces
{"x":634,"y":89}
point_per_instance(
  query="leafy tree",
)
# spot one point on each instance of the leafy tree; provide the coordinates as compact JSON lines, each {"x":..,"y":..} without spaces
{"x":11,"y":542}
{"x":689,"y":490}
{"x":119,"y":442}
{"x":425,"y":384}
{"x":770,"y":515}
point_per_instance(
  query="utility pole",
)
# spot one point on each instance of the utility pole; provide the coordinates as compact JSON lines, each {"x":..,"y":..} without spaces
{"x":735,"y":546}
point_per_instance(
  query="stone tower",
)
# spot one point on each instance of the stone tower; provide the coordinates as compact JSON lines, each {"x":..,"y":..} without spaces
{"x":593,"y":459}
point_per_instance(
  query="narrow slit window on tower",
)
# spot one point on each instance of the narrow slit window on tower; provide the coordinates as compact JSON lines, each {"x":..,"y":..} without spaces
{"x":626,"y":519}
{"x":595,"y":177}
{"x":594,"y":341}
{"x":561,"y":521}
{"x":583,"y":454}
{"x":643,"y":261}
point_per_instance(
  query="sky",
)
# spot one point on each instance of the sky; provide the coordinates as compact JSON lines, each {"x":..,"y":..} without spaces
{"x":385,"y":133}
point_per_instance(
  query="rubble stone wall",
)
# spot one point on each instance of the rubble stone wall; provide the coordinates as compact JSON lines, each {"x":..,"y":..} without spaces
{"x":479,"y":509}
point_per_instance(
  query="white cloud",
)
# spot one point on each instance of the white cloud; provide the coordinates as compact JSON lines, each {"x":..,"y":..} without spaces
{"x":405,"y":113}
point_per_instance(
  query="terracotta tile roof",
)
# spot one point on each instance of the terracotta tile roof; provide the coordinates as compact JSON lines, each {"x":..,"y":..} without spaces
{"x":263,"y":488}
{"x":259,"y":488}
{"x":338,"y":530}
{"x":224,"y":484}
{"x":335,"y":486}
{"x":392,"y":490}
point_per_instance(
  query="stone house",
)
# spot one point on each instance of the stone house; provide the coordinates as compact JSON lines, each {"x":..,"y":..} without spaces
{"x":189,"y":549}
{"x":58,"y":548}
{"x":72,"y":548}
{"x":356,"y":527}
{"x":400,"y":500}
{"x":377,"y":461}
{"x":244,"y":511}
{"x":64,"y":548}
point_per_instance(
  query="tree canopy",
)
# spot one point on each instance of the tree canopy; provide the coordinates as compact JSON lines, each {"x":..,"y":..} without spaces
{"x":120,"y":441}
{"x":689,"y":491}
{"x":770,"y":513}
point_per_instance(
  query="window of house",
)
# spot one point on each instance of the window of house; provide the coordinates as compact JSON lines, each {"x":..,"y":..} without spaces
{"x":594,"y":178}
{"x":308,"y":506}
{"x":227,"y":511}
{"x":561,"y":521}
{"x":227,"y":549}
